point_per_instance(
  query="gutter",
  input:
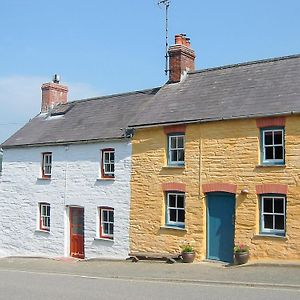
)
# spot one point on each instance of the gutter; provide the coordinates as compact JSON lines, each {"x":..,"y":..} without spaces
{"x":59,"y":143}
{"x":193,"y":121}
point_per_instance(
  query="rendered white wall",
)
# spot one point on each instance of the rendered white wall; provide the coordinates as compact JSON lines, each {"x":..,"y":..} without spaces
{"x":75,"y":171}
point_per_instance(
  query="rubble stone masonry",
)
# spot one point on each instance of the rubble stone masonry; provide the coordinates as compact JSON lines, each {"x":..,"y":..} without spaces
{"x":215,"y":152}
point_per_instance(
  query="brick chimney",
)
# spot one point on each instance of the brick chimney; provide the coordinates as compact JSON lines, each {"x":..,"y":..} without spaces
{"x":181,"y":58}
{"x":53,"y":94}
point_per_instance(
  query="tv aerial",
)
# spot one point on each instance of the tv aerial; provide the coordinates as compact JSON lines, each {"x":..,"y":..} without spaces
{"x":166,"y":4}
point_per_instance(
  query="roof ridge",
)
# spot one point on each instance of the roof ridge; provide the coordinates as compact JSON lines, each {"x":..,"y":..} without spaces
{"x":254,"y":62}
{"x":114,"y":95}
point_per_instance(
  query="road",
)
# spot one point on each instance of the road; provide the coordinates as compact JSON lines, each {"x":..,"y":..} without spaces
{"x":16,"y":284}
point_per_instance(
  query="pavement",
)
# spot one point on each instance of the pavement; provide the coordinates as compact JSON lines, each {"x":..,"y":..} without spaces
{"x":263,"y":274}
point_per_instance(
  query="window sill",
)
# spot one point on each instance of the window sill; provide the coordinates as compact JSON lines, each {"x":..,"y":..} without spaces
{"x":44,"y":178}
{"x":270,"y":166}
{"x":43,"y":231}
{"x":173,"y":228}
{"x":174,"y":167}
{"x":269,"y":236}
{"x":106,"y":179}
{"x":103,"y":239}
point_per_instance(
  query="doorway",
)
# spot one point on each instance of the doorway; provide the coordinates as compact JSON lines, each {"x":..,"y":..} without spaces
{"x":77,"y":232}
{"x":220,"y":226}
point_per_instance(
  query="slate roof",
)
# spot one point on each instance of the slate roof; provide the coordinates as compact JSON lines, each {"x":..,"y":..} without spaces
{"x":260,"y":88}
{"x":84,"y":120}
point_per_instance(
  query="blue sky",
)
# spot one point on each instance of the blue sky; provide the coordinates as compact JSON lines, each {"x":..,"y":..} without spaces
{"x":105,"y":47}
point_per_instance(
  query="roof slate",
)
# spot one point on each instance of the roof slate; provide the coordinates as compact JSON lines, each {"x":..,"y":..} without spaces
{"x":85,"y":120}
{"x":261,"y":88}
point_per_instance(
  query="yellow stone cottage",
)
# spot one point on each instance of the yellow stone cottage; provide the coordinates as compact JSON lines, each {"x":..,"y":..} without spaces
{"x":216,"y":160}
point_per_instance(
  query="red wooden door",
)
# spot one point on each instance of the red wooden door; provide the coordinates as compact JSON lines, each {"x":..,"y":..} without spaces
{"x":77,"y":232}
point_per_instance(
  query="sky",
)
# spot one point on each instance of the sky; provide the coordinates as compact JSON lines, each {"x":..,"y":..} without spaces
{"x":105,"y":47}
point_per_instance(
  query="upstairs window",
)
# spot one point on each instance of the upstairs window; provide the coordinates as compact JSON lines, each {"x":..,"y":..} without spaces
{"x":273,"y":146}
{"x":44,"y":210}
{"x":175,"y":209}
{"x":47,"y":165}
{"x":106,"y":222}
{"x":108,"y":163}
{"x":273,"y":214}
{"x":176,"y":149}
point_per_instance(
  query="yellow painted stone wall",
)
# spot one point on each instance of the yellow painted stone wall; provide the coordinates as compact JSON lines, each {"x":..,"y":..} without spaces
{"x":224,"y":151}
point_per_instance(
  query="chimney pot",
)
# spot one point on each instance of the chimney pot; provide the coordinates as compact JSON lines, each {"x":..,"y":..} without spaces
{"x":188,"y":42}
{"x":178,"y":39}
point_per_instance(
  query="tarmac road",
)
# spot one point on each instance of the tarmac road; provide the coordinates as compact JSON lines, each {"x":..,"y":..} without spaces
{"x":17,"y":285}
{"x":66,"y":278}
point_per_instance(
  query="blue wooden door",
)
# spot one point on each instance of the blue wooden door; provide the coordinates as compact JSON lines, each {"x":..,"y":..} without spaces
{"x":220,"y":226}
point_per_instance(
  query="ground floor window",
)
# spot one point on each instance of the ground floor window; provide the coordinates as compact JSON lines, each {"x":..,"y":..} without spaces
{"x":175,"y":211}
{"x":273,"y":214}
{"x":106,"y":222}
{"x":44,"y":216}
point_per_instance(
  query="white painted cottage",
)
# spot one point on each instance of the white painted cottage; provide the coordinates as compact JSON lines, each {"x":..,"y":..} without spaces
{"x":65,"y":183}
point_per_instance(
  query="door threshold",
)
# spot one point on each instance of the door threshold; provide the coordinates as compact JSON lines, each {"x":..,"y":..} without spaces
{"x":217,"y":262}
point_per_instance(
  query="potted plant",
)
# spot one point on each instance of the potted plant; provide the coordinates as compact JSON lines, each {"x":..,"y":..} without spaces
{"x":241,"y":253}
{"x":187,"y":253}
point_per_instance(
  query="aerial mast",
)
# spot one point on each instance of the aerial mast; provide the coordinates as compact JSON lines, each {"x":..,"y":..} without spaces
{"x":166,"y":3}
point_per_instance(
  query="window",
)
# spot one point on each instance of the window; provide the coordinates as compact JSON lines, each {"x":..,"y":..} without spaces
{"x":273,"y":215}
{"x":175,"y":213}
{"x":108,"y":163}
{"x":47,"y":165}
{"x":106,"y":222}
{"x":44,"y":214}
{"x":273,"y":146}
{"x":176,"y":149}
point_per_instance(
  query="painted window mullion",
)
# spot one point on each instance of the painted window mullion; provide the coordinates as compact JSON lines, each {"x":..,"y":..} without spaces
{"x":273,"y":139}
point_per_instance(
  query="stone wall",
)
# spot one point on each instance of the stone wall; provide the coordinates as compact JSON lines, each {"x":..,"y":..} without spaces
{"x":76,"y":169}
{"x":225,"y":152}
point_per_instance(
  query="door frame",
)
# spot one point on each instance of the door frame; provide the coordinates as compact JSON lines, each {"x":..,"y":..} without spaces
{"x":69,"y":214}
{"x":207,"y":220}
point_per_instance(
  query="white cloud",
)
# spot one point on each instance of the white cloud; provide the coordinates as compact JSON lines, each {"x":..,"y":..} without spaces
{"x":20,"y":100}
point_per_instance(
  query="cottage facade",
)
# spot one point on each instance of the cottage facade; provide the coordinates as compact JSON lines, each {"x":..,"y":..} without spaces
{"x":221,"y":165}
{"x":216,"y":162}
{"x":65,"y":185}
{"x":75,"y":184}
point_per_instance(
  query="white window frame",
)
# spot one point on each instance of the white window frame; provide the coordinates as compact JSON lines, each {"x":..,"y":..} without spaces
{"x":111,"y":162}
{"x":273,"y":161}
{"x":45,"y":219}
{"x":47,"y":164}
{"x":262,"y":214}
{"x":168,"y":207}
{"x":177,"y":149}
{"x":108,"y":235}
